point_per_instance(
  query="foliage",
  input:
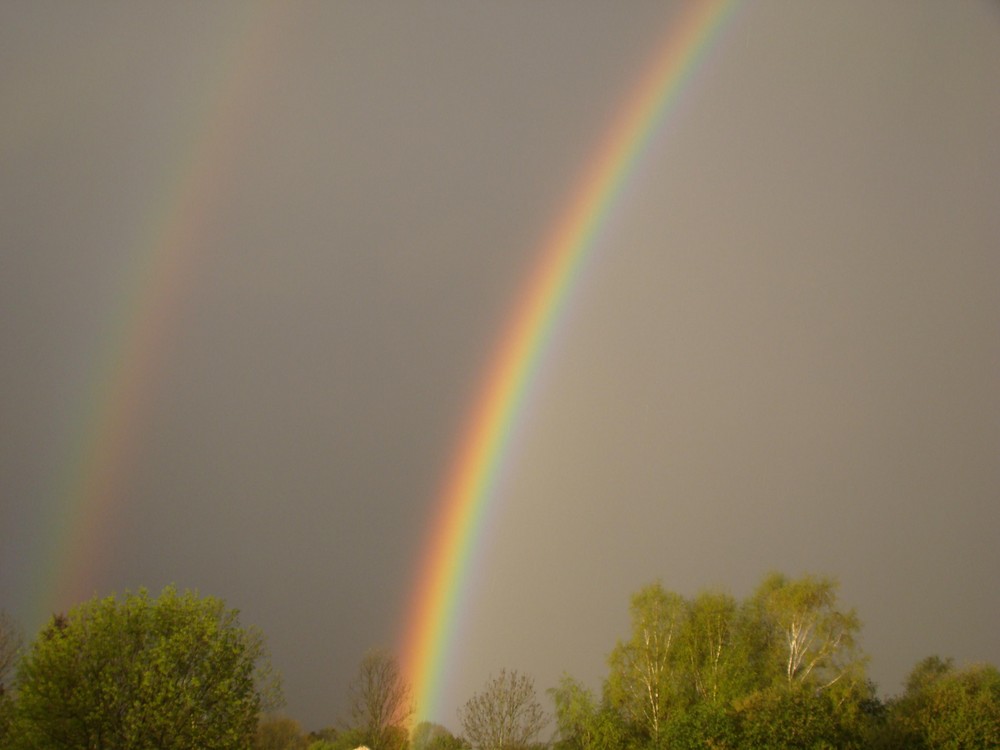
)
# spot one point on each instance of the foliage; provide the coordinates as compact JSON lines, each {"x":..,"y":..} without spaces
{"x":448,"y":742}
{"x":582,"y":723}
{"x":178,"y":671}
{"x":777,"y":669}
{"x":714,"y":650}
{"x":380,"y":701}
{"x":642,"y":685}
{"x":814,"y":640}
{"x":505,"y":715}
{"x":11,"y":643}
{"x":430,"y":736}
{"x":778,"y":717}
{"x":7,"y":708}
{"x":683,"y":654}
{"x":279,"y":733}
{"x":704,"y":725}
{"x":335,"y":739}
{"x":576,"y":714}
{"x":944,"y":707}
{"x":327,"y":734}
{"x":925,"y":674}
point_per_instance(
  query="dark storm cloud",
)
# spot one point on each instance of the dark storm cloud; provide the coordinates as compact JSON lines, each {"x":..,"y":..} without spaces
{"x":785,"y":356}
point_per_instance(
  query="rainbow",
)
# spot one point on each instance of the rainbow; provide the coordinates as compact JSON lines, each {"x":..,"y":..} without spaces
{"x":470,"y":485}
{"x":105,"y":432}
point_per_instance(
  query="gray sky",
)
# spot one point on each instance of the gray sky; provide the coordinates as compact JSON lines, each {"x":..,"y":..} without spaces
{"x":785,"y":355}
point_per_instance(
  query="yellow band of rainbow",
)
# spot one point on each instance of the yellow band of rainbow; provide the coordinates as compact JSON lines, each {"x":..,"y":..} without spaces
{"x":469,"y":486}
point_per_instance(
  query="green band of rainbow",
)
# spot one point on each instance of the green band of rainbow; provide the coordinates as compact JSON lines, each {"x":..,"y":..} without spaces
{"x":470,"y":485}
{"x":78,"y":514}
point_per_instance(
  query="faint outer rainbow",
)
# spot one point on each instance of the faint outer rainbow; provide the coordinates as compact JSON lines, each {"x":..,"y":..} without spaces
{"x":77,"y":529}
{"x":470,"y":485}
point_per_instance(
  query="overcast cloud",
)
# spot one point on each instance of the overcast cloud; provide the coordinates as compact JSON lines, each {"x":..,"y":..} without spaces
{"x":784,"y":356}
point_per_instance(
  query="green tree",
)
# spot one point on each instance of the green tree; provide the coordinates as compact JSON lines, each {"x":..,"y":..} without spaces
{"x":778,"y":718}
{"x":178,"y":671}
{"x":642,"y":685}
{"x":944,"y":707}
{"x":336,"y":739}
{"x":804,"y":717}
{"x":506,"y":715}
{"x":430,"y":736}
{"x":813,"y":641}
{"x":279,"y":733}
{"x":703,"y":672}
{"x":448,"y":742}
{"x":582,"y":722}
{"x":380,"y":701}
{"x":326,"y":734}
{"x":703,"y":725}
{"x":714,"y":650}
{"x":927,"y":672}
{"x":11,"y":643}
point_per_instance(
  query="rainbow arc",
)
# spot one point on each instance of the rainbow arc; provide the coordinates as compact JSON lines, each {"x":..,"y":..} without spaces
{"x":470,"y":485}
{"x":109,"y":425}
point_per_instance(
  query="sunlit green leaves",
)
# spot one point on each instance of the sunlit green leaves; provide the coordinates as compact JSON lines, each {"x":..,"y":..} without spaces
{"x":944,"y":707}
{"x":178,"y":671}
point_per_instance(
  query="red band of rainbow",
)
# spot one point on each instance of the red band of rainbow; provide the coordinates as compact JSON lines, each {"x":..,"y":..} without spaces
{"x":78,"y":521}
{"x":469,"y":486}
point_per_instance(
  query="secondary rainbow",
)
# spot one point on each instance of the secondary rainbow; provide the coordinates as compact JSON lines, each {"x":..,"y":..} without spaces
{"x":470,"y":485}
{"x":78,"y":526}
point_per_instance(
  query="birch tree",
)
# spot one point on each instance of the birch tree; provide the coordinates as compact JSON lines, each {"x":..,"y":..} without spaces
{"x":714,"y":653}
{"x":814,"y":640}
{"x":642,"y":684}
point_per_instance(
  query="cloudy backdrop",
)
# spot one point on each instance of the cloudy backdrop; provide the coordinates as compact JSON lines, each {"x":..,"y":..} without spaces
{"x":784,"y":356}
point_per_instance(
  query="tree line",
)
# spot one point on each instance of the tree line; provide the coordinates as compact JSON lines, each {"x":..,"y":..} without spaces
{"x":778,"y":669}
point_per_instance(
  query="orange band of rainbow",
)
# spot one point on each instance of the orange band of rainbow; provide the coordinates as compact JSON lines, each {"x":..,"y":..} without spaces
{"x":470,"y":484}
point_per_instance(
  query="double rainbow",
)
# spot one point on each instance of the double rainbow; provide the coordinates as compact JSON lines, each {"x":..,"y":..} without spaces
{"x":470,"y":485}
{"x":111,"y":419}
